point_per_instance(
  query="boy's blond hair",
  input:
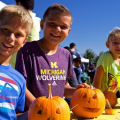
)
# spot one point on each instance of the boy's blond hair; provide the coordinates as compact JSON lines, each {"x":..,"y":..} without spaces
{"x":12,"y":11}
{"x":59,"y":9}
{"x":114,"y":33}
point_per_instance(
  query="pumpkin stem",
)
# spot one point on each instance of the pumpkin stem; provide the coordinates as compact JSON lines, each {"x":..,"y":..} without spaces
{"x":108,"y":104}
{"x":49,"y":95}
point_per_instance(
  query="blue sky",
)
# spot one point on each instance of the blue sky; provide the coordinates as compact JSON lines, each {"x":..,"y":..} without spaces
{"x":92,"y":21}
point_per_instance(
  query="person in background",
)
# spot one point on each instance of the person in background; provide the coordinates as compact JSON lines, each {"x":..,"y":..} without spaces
{"x":91,"y":66}
{"x":75,"y":53}
{"x":91,"y":72}
{"x":77,"y":69}
{"x":107,"y":76}
{"x":83,"y":67}
{"x":34,"y":34}
{"x":68,"y":48}
{"x":72,"y":82}
{"x":29,"y":6}
{"x":15,"y":26}
{"x":44,"y":62}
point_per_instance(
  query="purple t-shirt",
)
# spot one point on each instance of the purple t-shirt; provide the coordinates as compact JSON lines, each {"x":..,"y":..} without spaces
{"x":41,"y":69}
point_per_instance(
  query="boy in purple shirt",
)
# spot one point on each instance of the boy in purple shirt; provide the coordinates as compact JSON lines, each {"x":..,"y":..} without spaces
{"x":44,"y":62}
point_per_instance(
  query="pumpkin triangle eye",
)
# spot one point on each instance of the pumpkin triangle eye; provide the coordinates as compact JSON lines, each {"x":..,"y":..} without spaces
{"x":95,"y":96}
{"x":85,"y":96}
{"x":39,"y":112}
{"x":58,"y":111}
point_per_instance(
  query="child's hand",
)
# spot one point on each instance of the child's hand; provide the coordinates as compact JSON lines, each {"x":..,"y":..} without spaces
{"x":84,"y":85}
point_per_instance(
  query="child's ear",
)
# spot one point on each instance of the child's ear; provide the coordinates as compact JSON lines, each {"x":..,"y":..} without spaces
{"x":107,"y":44}
{"x":24,"y":41}
{"x":41,"y":24}
{"x":69,"y":30}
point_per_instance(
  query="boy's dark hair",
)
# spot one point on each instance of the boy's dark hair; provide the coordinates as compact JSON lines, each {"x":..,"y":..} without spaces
{"x":66,"y":47}
{"x":27,"y":4}
{"x":59,"y":9}
{"x":72,"y":45}
{"x":77,"y":60}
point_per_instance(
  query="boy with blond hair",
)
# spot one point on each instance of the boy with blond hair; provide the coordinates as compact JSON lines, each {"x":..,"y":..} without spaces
{"x":44,"y":62}
{"x":15,"y":26}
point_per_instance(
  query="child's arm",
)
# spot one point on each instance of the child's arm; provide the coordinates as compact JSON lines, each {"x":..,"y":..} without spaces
{"x":22,"y":116}
{"x":70,"y":90}
{"x":98,"y":77}
{"x":29,"y":98}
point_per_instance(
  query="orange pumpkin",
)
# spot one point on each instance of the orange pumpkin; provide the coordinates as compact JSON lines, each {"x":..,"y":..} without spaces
{"x":111,"y":96}
{"x":87,"y":103}
{"x":49,"y":108}
{"x":110,"y":111}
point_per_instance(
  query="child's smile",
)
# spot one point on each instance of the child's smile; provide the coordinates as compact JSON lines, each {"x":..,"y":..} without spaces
{"x":7,"y":45}
{"x":54,"y":35}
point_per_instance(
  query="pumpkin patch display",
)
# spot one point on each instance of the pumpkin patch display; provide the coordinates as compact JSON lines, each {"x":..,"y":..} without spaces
{"x":87,"y":103}
{"x":111,"y":96}
{"x":49,"y":108}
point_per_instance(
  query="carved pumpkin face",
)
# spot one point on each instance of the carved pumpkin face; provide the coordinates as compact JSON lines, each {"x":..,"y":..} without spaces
{"x":89,"y":103}
{"x":43,"y":108}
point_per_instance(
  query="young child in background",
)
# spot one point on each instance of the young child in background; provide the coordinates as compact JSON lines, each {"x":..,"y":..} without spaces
{"x":77,"y":69}
{"x":15,"y":26}
{"x":107,"y":74}
{"x":44,"y":62}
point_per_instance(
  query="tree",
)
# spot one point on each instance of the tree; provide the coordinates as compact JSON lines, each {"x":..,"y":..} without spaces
{"x":97,"y":57}
{"x":89,"y":54}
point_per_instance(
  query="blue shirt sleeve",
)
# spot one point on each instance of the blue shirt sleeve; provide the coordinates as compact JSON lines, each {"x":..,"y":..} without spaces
{"x":78,"y":74}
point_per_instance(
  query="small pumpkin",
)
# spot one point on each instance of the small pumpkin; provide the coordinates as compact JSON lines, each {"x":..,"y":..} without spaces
{"x":49,"y":108}
{"x":87,"y":103}
{"x":111,"y":96}
{"x":110,"y":111}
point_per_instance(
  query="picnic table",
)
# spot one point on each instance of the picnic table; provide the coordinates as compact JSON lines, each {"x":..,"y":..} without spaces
{"x":103,"y":116}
